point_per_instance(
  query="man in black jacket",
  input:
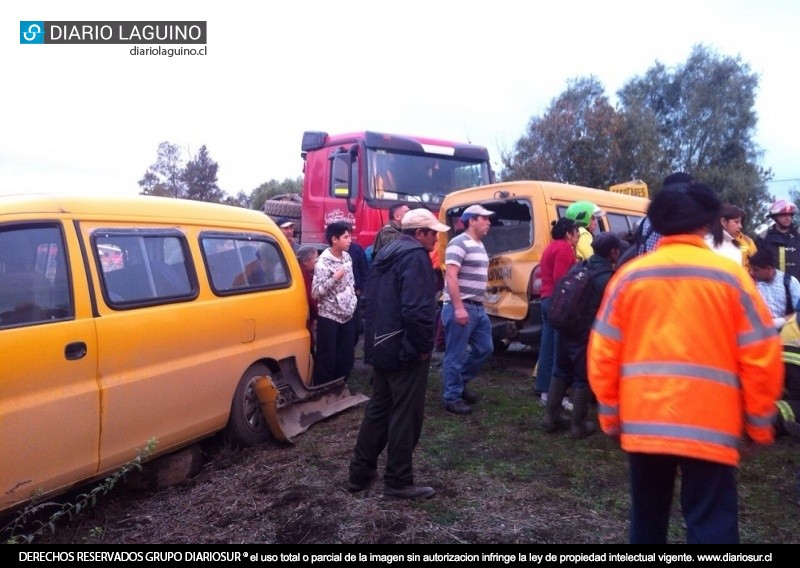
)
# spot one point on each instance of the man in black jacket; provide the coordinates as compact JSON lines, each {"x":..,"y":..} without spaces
{"x":399,"y":320}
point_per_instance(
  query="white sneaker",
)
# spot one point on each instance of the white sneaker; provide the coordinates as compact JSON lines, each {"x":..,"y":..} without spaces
{"x":543,"y":399}
{"x":566,"y":404}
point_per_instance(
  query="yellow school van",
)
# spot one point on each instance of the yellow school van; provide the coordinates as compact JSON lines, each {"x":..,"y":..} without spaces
{"x":129,"y":319}
{"x":519,"y":234}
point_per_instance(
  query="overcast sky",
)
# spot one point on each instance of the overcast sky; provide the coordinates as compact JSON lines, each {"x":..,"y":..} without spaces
{"x":89,"y":118}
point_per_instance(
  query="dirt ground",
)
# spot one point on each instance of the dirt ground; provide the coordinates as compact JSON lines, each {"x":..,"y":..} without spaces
{"x":293,"y":495}
{"x":296,"y":494}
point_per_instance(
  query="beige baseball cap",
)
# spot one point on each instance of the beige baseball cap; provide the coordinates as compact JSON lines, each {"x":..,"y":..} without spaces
{"x":422,"y":219}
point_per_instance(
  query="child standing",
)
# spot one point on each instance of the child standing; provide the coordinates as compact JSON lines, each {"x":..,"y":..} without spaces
{"x":333,"y":287}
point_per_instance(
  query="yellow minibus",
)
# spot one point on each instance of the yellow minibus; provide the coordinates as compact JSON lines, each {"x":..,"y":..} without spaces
{"x":129,"y":319}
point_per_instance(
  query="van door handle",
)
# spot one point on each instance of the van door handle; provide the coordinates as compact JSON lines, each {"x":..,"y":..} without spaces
{"x":76,"y":350}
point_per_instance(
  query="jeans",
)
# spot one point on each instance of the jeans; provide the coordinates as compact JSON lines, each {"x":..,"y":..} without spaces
{"x":571,"y":360}
{"x":461,"y":365}
{"x":547,"y":351}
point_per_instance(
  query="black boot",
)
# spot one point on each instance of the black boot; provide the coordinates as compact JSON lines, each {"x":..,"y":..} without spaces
{"x":581,"y":425}
{"x":552,"y":411}
{"x":785,"y":421}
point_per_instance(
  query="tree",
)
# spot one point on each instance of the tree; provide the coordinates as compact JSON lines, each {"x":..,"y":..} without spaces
{"x":241,"y":199}
{"x":200,"y":178}
{"x":640,"y":153}
{"x":165,"y":176}
{"x":703,"y":115}
{"x":698,"y":117}
{"x":576,"y":141}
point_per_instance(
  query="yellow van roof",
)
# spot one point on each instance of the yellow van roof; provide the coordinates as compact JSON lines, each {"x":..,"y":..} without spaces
{"x":121,"y":207}
{"x":553,"y":192}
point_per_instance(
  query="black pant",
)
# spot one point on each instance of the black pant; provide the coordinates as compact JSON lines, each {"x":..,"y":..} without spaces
{"x":358,"y":317}
{"x":791,"y":385}
{"x":335,"y":350}
{"x":393,"y":416}
{"x":708,"y":499}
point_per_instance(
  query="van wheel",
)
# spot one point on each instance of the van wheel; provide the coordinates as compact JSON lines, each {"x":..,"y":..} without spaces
{"x":247,"y":425}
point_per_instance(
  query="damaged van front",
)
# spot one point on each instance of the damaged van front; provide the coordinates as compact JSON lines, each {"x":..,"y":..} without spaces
{"x":519,"y":233}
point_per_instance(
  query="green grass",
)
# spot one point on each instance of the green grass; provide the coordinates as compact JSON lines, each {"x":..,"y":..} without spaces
{"x":501,"y":443}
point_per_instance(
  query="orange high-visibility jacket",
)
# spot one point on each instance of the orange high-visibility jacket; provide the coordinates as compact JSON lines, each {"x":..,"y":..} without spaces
{"x":682,"y":357}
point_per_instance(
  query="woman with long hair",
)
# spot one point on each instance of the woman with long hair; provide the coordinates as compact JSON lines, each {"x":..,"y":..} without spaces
{"x":557,"y":258}
{"x":726,"y":236}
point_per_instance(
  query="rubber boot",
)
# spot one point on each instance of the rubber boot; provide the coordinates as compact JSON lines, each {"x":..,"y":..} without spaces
{"x":552,"y":411}
{"x":581,"y":425}
{"x":785,"y":421}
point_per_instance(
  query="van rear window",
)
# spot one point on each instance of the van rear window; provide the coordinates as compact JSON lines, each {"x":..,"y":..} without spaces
{"x":244,"y":263}
{"x":512,"y":226}
{"x":143,"y":267}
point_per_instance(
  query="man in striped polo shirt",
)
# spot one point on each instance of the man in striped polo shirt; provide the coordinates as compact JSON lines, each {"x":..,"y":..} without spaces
{"x":468,"y":333}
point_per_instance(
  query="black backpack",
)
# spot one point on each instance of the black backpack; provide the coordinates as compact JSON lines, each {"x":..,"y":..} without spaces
{"x":569,"y":302}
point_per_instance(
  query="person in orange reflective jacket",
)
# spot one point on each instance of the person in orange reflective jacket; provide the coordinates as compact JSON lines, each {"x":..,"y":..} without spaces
{"x":684,"y":361}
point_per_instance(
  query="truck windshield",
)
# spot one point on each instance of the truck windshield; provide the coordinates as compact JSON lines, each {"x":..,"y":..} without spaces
{"x":422,"y":178}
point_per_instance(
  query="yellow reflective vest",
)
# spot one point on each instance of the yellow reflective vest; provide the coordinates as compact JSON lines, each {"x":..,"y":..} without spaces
{"x":748,"y":248}
{"x":583,"y":248}
{"x":790,"y":338}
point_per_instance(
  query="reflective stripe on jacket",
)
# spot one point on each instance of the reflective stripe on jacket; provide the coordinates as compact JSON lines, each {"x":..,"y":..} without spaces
{"x":682,"y":357}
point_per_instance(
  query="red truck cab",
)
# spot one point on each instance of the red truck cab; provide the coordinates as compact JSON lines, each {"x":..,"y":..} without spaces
{"x":358,"y":176}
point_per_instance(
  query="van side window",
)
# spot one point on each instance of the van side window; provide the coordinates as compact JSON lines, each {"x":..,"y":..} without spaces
{"x":243,"y":263}
{"x":146,"y":267}
{"x":34,"y":282}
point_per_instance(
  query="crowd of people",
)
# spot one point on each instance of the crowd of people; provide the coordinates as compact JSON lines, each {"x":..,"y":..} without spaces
{"x":688,"y":256}
{"x":651,"y":395}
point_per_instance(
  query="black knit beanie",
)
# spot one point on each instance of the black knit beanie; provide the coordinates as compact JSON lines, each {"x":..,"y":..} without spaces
{"x":684,"y":209}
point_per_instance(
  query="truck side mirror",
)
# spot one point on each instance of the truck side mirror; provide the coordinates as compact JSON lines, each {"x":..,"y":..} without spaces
{"x":340,"y":175}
